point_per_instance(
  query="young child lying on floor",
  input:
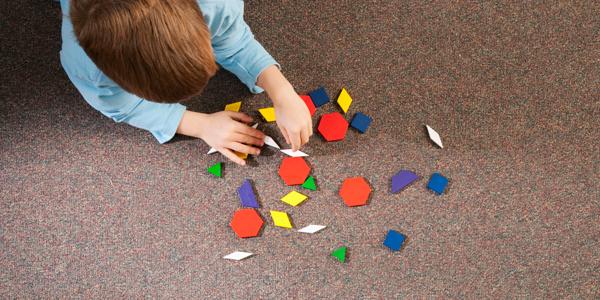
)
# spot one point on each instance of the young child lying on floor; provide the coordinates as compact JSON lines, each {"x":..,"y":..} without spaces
{"x":136,"y":60}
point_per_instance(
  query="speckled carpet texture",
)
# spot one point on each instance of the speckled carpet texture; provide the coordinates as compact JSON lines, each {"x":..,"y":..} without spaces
{"x":90,"y":208}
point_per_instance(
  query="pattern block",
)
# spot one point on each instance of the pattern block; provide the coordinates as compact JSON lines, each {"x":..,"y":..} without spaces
{"x":293,"y":170}
{"x":344,"y":100}
{"x":394,"y":240}
{"x":333,"y":127}
{"x":319,"y":96}
{"x":437,"y":183}
{"x":246,"y":223}
{"x":355,"y":191}
{"x":361,"y":122}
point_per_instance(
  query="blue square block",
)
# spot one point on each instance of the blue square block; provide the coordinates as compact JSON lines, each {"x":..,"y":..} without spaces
{"x":394,"y":240}
{"x":319,"y":96}
{"x":361,"y":122}
{"x":437,"y":183}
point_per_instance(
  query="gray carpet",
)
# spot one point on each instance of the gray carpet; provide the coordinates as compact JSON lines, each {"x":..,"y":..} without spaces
{"x":90,"y":208}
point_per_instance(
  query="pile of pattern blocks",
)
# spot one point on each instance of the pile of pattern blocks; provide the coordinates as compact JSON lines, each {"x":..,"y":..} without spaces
{"x":295,"y":171}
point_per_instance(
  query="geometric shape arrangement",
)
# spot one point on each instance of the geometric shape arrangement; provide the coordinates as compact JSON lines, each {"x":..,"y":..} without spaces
{"x":294,"y":198}
{"x":238,"y":255}
{"x":344,"y":100}
{"x":233,"y":106}
{"x":333,"y":127}
{"x":319,"y":96}
{"x":309,"y":104}
{"x":310,"y":184}
{"x":434,"y":136}
{"x":281,"y":219}
{"x":355,"y":191}
{"x":340,"y":253}
{"x":361,"y":122}
{"x":268,"y":113}
{"x":312,"y":228}
{"x":247,"y":196}
{"x":246,"y":223}
{"x":215,"y":169}
{"x":437,"y":183}
{"x":293,"y":153}
{"x":294,"y":170}
{"x":402,"y":179}
{"x":394,"y":240}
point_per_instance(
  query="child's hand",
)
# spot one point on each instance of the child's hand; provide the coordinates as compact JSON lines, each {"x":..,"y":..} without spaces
{"x":225,"y":131}
{"x":293,"y":119}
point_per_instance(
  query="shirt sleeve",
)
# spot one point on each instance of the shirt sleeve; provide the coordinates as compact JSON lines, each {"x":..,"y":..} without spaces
{"x":234,"y":45}
{"x":160,"y":119}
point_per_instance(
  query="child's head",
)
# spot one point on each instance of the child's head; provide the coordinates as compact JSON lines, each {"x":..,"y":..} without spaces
{"x":157,"y":49}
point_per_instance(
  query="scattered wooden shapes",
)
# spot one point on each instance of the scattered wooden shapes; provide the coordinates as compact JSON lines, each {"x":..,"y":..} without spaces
{"x":333,"y":127}
{"x":344,"y":100}
{"x":403,"y":179}
{"x":361,"y":122}
{"x":355,"y":191}
{"x":310,"y":184}
{"x":319,"y":96}
{"x":216,"y":169}
{"x":434,"y":136}
{"x":294,"y":170}
{"x":394,"y":240}
{"x":247,"y":196}
{"x":268,"y":114}
{"x":233,"y":106}
{"x":281,"y":219}
{"x":238,"y":255}
{"x":246,"y":223}
{"x":312,"y":229}
{"x":340,"y":253}
{"x":437,"y":183}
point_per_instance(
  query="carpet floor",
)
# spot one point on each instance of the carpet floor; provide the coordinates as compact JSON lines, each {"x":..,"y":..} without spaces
{"x":92,"y":208}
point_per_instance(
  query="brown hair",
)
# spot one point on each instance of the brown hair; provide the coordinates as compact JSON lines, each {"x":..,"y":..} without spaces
{"x":157,"y":49}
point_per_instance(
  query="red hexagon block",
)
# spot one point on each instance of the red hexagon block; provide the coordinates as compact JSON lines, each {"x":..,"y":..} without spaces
{"x":294,"y":170}
{"x":246,"y":223}
{"x":333,"y":126}
{"x":355,"y":191}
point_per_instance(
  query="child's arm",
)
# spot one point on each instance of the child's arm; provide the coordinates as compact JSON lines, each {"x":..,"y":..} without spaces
{"x":237,"y":51}
{"x":292,"y":115}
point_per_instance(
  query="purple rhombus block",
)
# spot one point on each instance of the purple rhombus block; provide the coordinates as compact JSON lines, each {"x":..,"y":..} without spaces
{"x":247,"y":196}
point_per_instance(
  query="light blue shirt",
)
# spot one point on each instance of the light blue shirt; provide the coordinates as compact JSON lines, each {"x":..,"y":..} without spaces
{"x":235,"y":50}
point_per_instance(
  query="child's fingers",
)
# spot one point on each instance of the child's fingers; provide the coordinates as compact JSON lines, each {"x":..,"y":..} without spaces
{"x":304,"y":136}
{"x":229,"y":154}
{"x":239,"y":147}
{"x":284,"y":133}
{"x":249,"y":140}
{"x":247,"y":130}
{"x":239,"y":116}
{"x":295,"y":139}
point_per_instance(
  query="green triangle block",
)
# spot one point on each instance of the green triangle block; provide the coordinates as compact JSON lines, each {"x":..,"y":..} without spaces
{"x":310,"y":184}
{"x":340,"y":253}
{"x":215,"y":169}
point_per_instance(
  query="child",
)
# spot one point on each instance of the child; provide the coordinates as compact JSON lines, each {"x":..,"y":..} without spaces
{"x":135,"y":60}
